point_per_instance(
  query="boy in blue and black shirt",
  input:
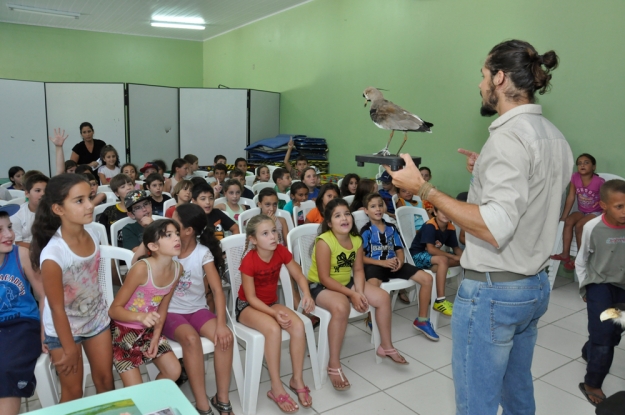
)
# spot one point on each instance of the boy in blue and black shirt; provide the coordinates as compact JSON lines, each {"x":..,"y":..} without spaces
{"x":384,"y":259}
{"x":427,"y":254}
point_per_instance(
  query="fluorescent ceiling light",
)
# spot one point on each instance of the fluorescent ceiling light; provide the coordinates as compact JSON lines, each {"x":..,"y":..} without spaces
{"x":186,"y":20}
{"x":39,"y":10}
{"x":178,"y":25}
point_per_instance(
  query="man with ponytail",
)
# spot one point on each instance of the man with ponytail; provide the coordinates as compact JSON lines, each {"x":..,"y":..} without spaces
{"x":510,"y":220}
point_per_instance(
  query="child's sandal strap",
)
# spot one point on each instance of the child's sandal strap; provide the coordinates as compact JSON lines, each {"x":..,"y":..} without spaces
{"x":221,"y":406}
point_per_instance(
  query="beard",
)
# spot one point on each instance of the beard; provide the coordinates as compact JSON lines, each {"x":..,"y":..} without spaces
{"x":489,"y":104}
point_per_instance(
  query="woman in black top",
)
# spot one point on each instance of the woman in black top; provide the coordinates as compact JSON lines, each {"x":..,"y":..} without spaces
{"x":88,"y":151}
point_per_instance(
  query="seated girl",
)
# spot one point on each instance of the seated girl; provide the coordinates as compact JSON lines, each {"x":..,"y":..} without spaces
{"x":327,"y":192}
{"x":349,"y":184}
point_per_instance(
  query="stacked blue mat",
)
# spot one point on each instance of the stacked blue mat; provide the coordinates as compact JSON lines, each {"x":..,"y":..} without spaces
{"x":271,"y":150}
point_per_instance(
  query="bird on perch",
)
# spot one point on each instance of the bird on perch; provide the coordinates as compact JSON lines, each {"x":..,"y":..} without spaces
{"x":615,"y":313}
{"x":389,"y":116}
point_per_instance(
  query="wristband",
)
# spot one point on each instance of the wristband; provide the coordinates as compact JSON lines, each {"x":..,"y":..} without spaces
{"x":424,"y":191}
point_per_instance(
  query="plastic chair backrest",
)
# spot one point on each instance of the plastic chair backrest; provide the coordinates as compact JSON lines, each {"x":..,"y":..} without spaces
{"x":248,"y":202}
{"x":168,"y":194}
{"x":110,"y":197}
{"x":201,"y":173}
{"x":104,"y":188}
{"x":287,"y":217}
{"x":116,"y":227}
{"x":304,"y":207}
{"x":5,"y":185}
{"x":300,"y":242}
{"x":101,"y":230}
{"x":249,"y":181}
{"x":168,"y":203}
{"x":233,"y":247}
{"x":405,"y":222}
{"x":105,"y":271}
{"x":284,"y":196}
{"x":349,"y":199}
{"x":360,"y":219}
{"x":262,"y":185}
{"x":3,"y":202}
{"x":220,"y":201}
{"x":97,"y":210}
{"x":17,"y":201}
{"x":15,"y":194}
{"x":244,"y":217}
{"x":609,"y":176}
{"x":339,"y":183}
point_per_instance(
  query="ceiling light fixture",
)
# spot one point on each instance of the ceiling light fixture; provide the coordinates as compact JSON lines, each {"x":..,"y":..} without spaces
{"x":39,"y":10}
{"x":184,"y":20}
{"x":178,"y":25}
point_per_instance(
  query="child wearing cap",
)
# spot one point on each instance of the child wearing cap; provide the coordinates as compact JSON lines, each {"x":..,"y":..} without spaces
{"x":148,"y":168}
{"x":139,"y":208}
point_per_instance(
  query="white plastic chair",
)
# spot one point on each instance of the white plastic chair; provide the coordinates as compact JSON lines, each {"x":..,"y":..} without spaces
{"x":233,"y":246}
{"x":250,"y":213}
{"x":554,"y":265}
{"x":300,"y":242}
{"x":405,"y":222}
{"x":17,"y":201}
{"x":101,"y":230}
{"x":304,"y":207}
{"x":3,"y":202}
{"x":15,"y":194}
{"x":339,"y":183}
{"x":415,"y":198}
{"x":6,"y":185}
{"x":281,"y":196}
{"x":110,"y":197}
{"x":349,"y":199}
{"x":249,"y":181}
{"x":104,"y":188}
{"x":262,"y":185}
{"x":168,"y":203}
{"x":168,"y":194}
{"x":201,"y":173}
{"x":48,"y":384}
{"x":117,"y":227}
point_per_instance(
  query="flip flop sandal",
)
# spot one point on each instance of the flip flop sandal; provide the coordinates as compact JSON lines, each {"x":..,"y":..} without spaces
{"x":339,"y":372}
{"x":304,"y":390}
{"x":587,"y":395}
{"x":559,"y":257}
{"x":283,"y":399}
{"x":570,"y":264}
{"x":390,"y":352}
{"x":221,"y":407}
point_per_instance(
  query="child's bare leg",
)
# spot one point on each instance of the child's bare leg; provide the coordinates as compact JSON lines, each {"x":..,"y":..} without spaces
{"x":425,"y":292}
{"x":296,"y":298}
{"x":168,"y":366}
{"x":272,"y":331}
{"x":442,"y":265}
{"x":10,"y":406}
{"x":579,"y":227}
{"x":380,"y":299}
{"x":567,"y":233}
{"x":298,"y":351}
{"x":131,"y":377}
{"x":374,"y":281}
{"x":193,"y":357}
{"x":71,"y":383}
{"x":100,"y":355}
{"x":222,"y":360}
{"x":339,"y":307}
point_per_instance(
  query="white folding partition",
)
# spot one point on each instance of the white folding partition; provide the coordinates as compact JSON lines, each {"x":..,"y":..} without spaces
{"x":23,"y":131}
{"x":153,"y":123}
{"x":264,"y":115}
{"x":213,"y":121}
{"x":70,"y":104}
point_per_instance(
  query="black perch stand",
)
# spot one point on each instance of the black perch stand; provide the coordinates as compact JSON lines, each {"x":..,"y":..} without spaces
{"x":395,"y":162}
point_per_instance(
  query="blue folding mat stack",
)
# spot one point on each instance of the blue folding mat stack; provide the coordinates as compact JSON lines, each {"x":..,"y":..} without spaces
{"x":273,"y":150}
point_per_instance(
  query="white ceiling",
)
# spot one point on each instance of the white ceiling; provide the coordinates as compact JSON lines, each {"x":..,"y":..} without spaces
{"x":132,"y":17}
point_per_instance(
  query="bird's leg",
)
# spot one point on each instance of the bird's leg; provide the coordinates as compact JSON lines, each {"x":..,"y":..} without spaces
{"x":402,"y":144}
{"x":385,"y":151}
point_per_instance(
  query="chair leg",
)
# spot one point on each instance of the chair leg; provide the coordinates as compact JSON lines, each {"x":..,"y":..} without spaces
{"x":433,"y":314}
{"x":312,"y":351}
{"x":323,"y":347}
{"x":237,"y":368}
{"x":254,"y":354}
{"x":45,"y":386}
{"x":375,"y":334}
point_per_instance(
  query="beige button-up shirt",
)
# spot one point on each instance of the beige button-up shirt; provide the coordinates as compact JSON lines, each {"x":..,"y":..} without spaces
{"x":518,"y":182}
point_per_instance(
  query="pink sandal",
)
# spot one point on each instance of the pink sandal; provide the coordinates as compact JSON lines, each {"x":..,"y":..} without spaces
{"x":305,"y":390}
{"x":389,"y":353}
{"x":570,"y":264}
{"x":560,"y":257}
{"x":281,"y":400}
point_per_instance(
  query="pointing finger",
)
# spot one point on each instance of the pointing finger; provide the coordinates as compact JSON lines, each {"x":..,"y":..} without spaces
{"x":467,"y":153}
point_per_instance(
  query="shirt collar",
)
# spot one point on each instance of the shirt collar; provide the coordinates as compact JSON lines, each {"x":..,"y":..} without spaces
{"x":521,"y":109}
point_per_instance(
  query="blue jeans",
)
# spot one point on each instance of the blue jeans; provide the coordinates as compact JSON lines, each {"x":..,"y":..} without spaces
{"x":494,"y":332}
{"x":602,"y":336}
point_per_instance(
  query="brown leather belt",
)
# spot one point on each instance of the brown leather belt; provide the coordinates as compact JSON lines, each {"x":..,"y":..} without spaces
{"x":495,"y":276}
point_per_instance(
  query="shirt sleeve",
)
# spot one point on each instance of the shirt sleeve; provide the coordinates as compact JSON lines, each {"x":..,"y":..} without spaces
{"x":366,"y":238}
{"x":247,"y":264}
{"x":226,"y":222}
{"x":427,"y":234}
{"x":583,"y":253}
{"x":452,"y":238}
{"x":130,"y":238}
{"x":284,"y":253}
{"x":52,"y":252}
{"x":397,"y":239}
{"x":504,"y":174}
{"x":208,"y":257}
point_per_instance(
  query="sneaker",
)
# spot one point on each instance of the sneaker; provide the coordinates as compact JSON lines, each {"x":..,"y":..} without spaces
{"x":426,"y":328}
{"x":444,"y":307}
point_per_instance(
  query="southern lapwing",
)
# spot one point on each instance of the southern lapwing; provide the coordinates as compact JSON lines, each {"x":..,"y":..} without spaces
{"x":389,"y":116}
{"x":616,"y":313}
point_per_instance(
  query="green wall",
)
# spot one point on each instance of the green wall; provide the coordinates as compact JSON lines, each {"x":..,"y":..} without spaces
{"x":428,"y":54}
{"x":60,"y":55}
